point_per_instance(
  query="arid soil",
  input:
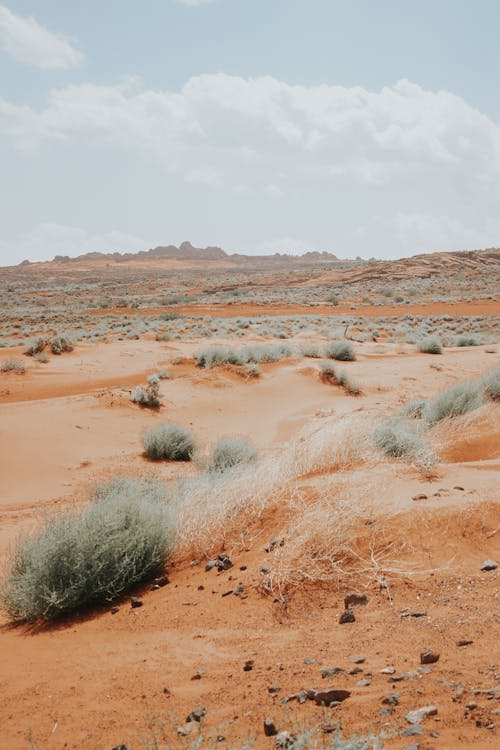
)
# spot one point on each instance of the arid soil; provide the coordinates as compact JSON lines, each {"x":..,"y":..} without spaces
{"x":100,"y":679}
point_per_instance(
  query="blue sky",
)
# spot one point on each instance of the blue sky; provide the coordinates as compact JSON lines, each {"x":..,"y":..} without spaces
{"x":362,"y":128}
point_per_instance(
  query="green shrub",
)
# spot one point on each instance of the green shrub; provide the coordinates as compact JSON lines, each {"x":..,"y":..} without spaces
{"x":217,"y":355}
{"x":310,"y":350}
{"x":491,"y":384}
{"x":60,"y":344}
{"x":459,"y":399}
{"x":35,"y":346}
{"x":230,"y":452}
{"x":341,"y":350}
{"x":467,"y":340}
{"x":95,"y":555}
{"x":412,"y":409}
{"x":430,"y":345}
{"x":12,"y":365}
{"x":396,"y":439}
{"x":169,"y":442}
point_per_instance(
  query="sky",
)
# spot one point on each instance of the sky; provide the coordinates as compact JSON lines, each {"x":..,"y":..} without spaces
{"x":362,"y":128}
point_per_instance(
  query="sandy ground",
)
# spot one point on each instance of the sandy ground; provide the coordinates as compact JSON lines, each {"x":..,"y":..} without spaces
{"x":97,"y":680}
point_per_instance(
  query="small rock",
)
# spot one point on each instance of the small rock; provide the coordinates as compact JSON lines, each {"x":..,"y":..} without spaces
{"x":273,"y":543}
{"x":327,"y":697}
{"x":413,"y":731}
{"x":243,"y":567}
{"x":167,"y":692}
{"x":186,"y":729}
{"x":270,"y":729}
{"x":358,"y":659}
{"x":489,"y":565}
{"x":363,"y":683}
{"x":197,"y":715}
{"x":419,"y":613}
{"x":121,"y":747}
{"x":248,"y":666}
{"x":416,"y":717}
{"x":413,"y":746}
{"x":331,"y":672}
{"x":429,"y":657}
{"x":274,"y":689}
{"x":198,"y":674}
{"x":299,"y":697}
{"x":114,"y":610}
{"x":386,"y":712}
{"x":355,"y":600}
{"x":265,"y":569}
{"x":464,"y":642}
{"x":387,"y":670}
{"x":161,"y":581}
{"x":420,"y":496}
{"x":457,"y":487}
{"x":309,"y":660}
{"x":284,"y":740}
{"x":227,"y":593}
{"x":355,"y":670}
{"x":136,"y":602}
{"x":210,"y":564}
{"x":391,"y":700}
{"x":347,"y":616}
{"x":239,"y":590}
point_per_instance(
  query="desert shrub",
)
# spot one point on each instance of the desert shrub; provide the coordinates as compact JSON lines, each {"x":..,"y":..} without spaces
{"x":430,"y":345}
{"x":459,"y":399}
{"x":84,"y":557}
{"x":467,"y":340}
{"x":147,"y":396}
{"x":398,"y":440}
{"x":35,"y":346}
{"x":328,"y":374}
{"x":252,"y":370}
{"x":266,"y":352}
{"x":491,"y":384}
{"x":169,"y":442}
{"x":41,"y":357}
{"x":61,"y":343}
{"x":230,"y":452}
{"x":341,"y":350}
{"x":310,"y":350}
{"x":412,"y":409}
{"x":218,"y":355}
{"x":13,"y":364}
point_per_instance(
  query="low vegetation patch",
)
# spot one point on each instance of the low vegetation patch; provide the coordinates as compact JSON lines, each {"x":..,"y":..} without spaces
{"x":459,"y":399}
{"x":35,"y":346}
{"x":13,"y":364}
{"x":430,"y":345}
{"x":329,"y":374}
{"x":228,"y":453}
{"x":465,"y":340}
{"x":60,"y":344}
{"x":257,"y":353}
{"x":169,"y":442}
{"x":341,"y":350}
{"x":148,"y":396}
{"x":399,"y":440}
{"x":90,"y":556}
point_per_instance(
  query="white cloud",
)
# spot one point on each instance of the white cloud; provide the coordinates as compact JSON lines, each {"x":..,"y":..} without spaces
{"x":30,"y":42}
{"x":418,"y":169}
{"x":47,"y":240}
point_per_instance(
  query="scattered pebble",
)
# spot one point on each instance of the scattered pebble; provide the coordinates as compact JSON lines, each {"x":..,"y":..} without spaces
{"x":417,"y":716}
{"x":347,"y":616}
{"x":270,"y":728}
{"x":429,"y":657}
{"x":489,"y":565}
{"x":136,"y":602}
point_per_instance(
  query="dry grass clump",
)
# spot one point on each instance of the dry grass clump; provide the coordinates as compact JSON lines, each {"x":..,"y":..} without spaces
{"x":398,"y":440}
{"x":256,"y":353}
{"x":467,"y":340}
{"x":85,"y":557}
{"x":148,"y":396}
{"x":169,"y":442}
{"x":341,"y":350}
{"x":61,"y":343}
{"x":328,"y":374}
{"x":35,"y":346}
{"x":430,"y":345}
{"x":13,"y":364}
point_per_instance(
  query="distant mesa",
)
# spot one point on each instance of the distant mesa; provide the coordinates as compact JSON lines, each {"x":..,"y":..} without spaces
{"x":187,"y":251}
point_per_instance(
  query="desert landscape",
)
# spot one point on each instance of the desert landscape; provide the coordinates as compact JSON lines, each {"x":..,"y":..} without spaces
{"x":250,"y":502}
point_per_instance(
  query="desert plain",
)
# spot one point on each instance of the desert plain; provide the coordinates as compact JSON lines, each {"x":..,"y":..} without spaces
{"x":328,"y":508}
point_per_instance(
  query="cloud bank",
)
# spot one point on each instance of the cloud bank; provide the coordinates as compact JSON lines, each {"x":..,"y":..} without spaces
{"x":29,"y":42}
